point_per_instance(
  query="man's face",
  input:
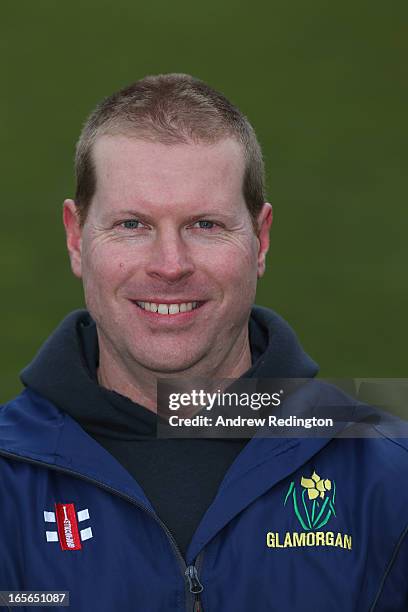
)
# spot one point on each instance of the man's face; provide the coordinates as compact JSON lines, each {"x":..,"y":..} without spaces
{"x":168,"y":256}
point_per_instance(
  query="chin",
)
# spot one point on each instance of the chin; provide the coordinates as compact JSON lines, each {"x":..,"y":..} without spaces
{"x":163,"y":367}
{"x":168,"y":364}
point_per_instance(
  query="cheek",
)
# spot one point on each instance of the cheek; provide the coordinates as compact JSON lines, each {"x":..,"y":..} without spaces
{"x":234,"y":269}
{"x":103,"y":271}
{"x":235,"y":259}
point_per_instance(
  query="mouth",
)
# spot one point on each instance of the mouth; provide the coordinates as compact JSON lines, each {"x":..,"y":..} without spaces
{"x":168,"y":309}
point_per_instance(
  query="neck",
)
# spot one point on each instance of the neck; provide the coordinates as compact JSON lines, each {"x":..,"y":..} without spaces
{"x":139,"y":384}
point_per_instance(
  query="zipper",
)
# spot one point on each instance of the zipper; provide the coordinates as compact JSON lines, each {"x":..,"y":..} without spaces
{"x":195,"y":586}
{"x":192,"y":597}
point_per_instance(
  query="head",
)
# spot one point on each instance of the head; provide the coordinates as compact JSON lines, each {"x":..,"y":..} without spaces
{"x":169,"y":209}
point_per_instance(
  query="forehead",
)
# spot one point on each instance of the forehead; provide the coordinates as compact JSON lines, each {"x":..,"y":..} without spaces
{"x":130,"y":170}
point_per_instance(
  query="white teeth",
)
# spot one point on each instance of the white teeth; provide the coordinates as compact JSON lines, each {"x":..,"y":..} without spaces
{"x":167,"y":309}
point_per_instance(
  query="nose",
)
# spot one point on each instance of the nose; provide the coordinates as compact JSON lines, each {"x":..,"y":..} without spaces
{"x":169,"y":257}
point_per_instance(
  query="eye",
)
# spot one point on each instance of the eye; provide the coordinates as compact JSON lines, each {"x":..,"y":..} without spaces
{"x":131,"y":224}
{"x":205,"y":224}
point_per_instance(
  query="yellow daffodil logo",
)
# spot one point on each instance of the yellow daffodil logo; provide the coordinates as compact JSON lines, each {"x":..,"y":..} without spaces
{"x":316,"y":486}
{"x":314,"y":503}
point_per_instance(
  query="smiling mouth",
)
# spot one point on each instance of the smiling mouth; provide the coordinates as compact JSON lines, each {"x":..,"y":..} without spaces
{"x":168,"y":309}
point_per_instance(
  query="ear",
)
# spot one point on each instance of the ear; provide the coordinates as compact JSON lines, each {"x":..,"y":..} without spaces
{"x":73,"y":232}
{"x":264,"y":221}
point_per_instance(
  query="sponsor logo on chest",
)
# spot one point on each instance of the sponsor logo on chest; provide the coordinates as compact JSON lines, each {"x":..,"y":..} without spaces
{"x":68,"y":533}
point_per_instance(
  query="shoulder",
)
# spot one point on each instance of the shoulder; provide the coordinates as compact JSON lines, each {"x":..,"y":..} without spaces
{"x":372,"y":441}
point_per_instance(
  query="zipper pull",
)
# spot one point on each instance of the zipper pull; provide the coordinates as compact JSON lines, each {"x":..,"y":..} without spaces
{"x":192,"y":577}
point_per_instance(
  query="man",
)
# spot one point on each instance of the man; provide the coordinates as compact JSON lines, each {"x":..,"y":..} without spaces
{"x":169,"y":231}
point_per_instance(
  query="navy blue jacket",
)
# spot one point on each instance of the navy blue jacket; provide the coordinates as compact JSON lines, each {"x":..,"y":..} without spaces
{"x":306,"y":525}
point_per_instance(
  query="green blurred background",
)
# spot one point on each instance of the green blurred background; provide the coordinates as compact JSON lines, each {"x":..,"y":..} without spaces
{"x":325,"y":85}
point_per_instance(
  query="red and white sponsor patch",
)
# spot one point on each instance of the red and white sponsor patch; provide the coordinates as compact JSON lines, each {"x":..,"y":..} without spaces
{"x":67,"y":524}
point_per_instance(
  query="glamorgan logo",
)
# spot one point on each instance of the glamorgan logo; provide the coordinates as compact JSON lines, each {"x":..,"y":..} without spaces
{"x":313,"y":505}
{"x":68,"y":535}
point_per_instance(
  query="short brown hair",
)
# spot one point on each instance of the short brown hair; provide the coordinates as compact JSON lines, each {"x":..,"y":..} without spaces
{"x":171,"y":109}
